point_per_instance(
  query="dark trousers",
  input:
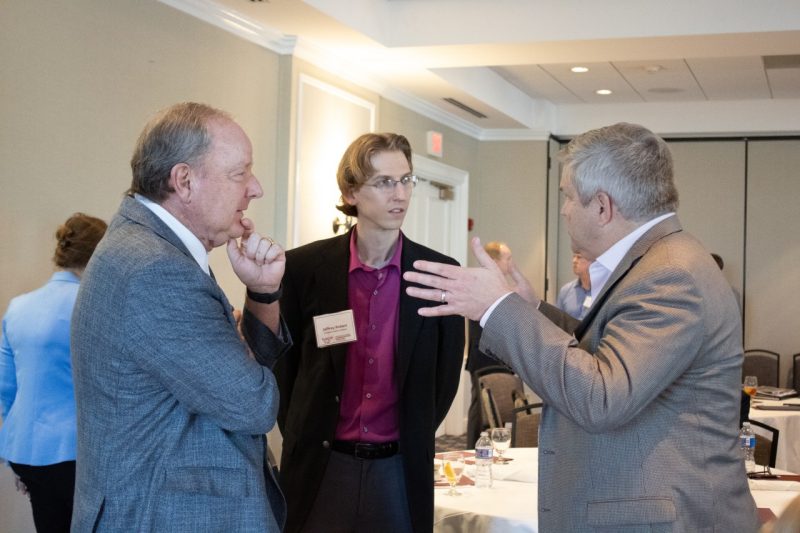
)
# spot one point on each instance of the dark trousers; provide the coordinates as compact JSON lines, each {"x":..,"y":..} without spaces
{"x":361,"y":496}
{"x":50,"y":488}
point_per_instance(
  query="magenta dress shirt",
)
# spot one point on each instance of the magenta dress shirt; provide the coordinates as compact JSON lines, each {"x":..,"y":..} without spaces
{"x":368,"y":411}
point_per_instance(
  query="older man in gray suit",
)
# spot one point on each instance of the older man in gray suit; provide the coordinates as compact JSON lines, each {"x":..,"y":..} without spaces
{"x":173,"y":399}
{"x":639,"y":426}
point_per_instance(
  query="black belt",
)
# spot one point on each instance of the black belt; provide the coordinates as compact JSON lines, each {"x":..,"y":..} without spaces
{"x":366,"y":450}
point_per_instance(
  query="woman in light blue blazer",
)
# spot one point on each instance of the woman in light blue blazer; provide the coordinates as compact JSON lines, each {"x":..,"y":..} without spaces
{"x":37,"y":437}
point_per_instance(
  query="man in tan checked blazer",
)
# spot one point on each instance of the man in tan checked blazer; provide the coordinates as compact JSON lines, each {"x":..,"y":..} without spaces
{"x":639,"y":425}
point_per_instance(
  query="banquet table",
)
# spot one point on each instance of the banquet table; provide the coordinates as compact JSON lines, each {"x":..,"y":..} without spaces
{"x":788,"y":423}
{"x":510,"y":506}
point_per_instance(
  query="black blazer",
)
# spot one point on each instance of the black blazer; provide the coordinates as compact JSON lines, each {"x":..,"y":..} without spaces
{"x":427,"y":369}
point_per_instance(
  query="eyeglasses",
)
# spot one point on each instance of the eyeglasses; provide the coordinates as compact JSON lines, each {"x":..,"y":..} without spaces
{"x":387,"y":184}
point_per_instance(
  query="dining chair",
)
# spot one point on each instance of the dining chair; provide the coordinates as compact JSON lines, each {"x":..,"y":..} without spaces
{"x":766,"y":443}
{"x":525,"y":428}
{"x":499,"y":386}
{"x":764,"y":364}
{"x":490,"y":414}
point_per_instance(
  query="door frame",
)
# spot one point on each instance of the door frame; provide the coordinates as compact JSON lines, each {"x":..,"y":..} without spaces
{"x":455,"y":423}
{"x":457,"y":178}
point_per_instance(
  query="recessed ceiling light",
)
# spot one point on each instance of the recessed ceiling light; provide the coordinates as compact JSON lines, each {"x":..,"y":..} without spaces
{"x":652,"y":69}
{"x":603,"y":92}
{"x":579,"y":70}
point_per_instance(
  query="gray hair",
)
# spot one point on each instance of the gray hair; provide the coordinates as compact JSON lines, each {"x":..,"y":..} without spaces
{"x":177,"y":134}
{"x":629,"y":163}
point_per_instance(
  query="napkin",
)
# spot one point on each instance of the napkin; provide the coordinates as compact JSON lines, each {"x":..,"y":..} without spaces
{"x":514,"y":472}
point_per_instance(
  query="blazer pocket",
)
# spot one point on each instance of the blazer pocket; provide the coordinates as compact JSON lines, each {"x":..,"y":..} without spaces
{"x":209,"y":480}
{"x":638,"y":511}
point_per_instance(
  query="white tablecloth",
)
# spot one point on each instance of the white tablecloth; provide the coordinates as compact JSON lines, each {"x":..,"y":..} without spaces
{"x":511,"y":506}
{"x":788,"y":423}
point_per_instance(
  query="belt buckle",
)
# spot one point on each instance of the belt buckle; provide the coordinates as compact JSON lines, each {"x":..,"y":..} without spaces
{"x":363,"y":450}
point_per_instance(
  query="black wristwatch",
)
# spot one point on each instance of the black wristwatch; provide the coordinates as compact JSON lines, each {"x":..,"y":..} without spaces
{"x":265,"y":297}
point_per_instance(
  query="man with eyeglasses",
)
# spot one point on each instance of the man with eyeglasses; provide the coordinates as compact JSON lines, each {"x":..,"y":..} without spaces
{"x":368,"y":380}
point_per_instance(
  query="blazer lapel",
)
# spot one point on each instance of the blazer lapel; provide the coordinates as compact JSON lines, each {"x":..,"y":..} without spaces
{"x":138,"y":213}
{"x":639,"y":248}
{"x":332,"y":295}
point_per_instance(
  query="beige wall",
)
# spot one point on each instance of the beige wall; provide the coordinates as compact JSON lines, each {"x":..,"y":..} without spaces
{"x":772,"y":276}
{"x":508,"y":196}
{"x":80,"y":78}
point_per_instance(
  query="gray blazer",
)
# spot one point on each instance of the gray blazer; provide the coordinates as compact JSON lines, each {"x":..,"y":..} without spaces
{"x":639,"y":426}
{"x":172,"y":410}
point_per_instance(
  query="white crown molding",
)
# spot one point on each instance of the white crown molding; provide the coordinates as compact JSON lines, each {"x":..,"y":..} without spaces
{"x":271,"y":39}
{"x":428,"y":110}
{"x":237,"y":24}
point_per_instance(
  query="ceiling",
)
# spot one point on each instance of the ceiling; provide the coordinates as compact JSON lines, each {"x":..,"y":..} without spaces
{"x":683,"y":67}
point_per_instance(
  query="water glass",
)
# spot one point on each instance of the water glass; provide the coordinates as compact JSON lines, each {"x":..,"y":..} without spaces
{"x":453,"y":468}
{"x":501,"y":440}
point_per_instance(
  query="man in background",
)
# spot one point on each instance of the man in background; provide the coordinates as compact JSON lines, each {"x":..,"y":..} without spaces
{"x":368,"y":380}
{"x":172,"y":402}
{"x":476,"y":360}
{"x":575,"y":297}
{"x":641,"y":398}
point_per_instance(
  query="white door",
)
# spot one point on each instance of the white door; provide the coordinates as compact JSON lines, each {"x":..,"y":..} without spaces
{"x":429,"y":216}
{"x":437,"y":218}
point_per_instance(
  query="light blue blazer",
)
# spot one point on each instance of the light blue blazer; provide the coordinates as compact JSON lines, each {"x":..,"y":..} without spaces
{"x":36,"y":394}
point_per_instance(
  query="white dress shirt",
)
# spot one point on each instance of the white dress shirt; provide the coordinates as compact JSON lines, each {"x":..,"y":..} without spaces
{"x":602,"y":267}
{"x":188,"y":238}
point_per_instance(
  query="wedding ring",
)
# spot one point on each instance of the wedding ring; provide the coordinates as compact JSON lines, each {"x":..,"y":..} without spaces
{"x":443,"y":298}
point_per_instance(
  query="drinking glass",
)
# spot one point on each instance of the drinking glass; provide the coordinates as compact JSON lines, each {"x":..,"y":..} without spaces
{"x":501,"y":440}
{"x":750,"y":385}
{"x":453,"y":467}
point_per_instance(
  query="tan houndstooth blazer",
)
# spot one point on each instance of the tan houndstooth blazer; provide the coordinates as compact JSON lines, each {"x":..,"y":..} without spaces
{"x":641,"y":410}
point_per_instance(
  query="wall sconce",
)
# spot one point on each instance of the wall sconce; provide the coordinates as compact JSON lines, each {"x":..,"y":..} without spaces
{"x":344,"y":225}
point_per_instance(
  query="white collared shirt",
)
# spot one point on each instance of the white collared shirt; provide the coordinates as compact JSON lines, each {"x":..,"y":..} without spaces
{"x":188,"y":238}
{"x":602,"y":267}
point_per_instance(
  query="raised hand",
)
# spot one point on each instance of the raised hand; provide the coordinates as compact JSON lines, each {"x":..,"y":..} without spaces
{"x":258,"y":261}
{"x":460,"y":291}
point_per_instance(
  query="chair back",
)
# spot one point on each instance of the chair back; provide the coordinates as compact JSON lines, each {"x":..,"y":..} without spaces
{"x":796,"y":372}
{"x":498,"y":389}
{"x":764,"y":364}
{"x":525,"y":429}
{"x":490,"y":413}
{"x":766,"y":443}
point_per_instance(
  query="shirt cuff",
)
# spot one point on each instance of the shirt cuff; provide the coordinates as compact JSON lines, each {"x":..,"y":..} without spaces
{"x":489,"y":311}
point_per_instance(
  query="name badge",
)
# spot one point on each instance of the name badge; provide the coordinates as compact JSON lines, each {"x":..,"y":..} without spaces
{"x":587,"y":302}
{"x":335,"y":328}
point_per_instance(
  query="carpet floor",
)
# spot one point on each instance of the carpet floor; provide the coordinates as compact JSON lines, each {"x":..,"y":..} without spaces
{"x":447,"y":443}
